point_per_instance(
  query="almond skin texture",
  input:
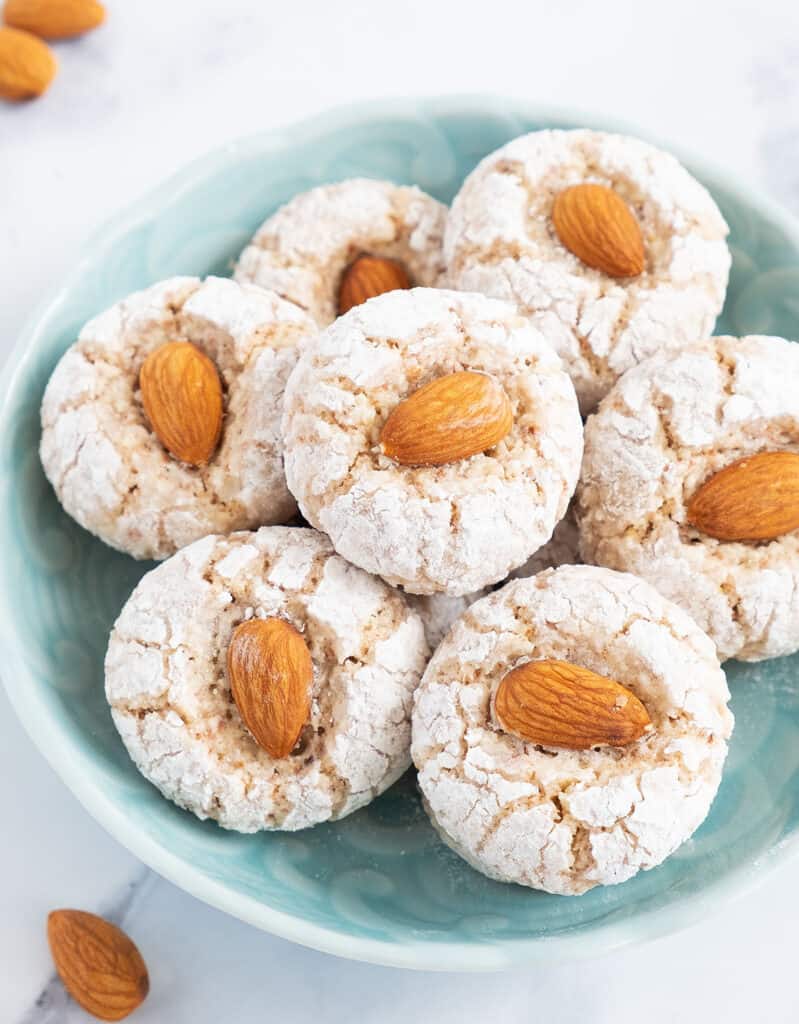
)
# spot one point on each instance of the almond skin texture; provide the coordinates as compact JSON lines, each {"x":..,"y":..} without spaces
{"x":559,"y":704}
{"x":754,"y":498}
{"x":182,"y":398}
{"x":595,"y":223}
{"x":450,"y":418}
{"x":54,"y":19}
{"x":99,"y":965}
{"x":27,"y":65}
{"x":270,"y":672}
{"x":368,"y":276}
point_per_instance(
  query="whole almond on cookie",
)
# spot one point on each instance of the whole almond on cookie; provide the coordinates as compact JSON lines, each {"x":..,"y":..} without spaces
{"x":559,"y":704}
{"x":27,"y":65}
{"x":451,"y":418}
{"x":100,"y":966}
{"x":754,"y":498}
{"x":182,"y":398}
{"x":368,"y":276}
{"x":54,"y":19}
{"x":271,"y":672}
{"x":595,"y":223}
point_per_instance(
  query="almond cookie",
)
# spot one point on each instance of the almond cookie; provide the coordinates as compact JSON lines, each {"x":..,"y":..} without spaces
{"x":434,"y":437}
{"x":305,"y":249}
{"x":543,"y":814}
{"x":663,"y":432}
{"x":118,"y":462}
{"x":169,"y":687}
{"x":501,"y":240}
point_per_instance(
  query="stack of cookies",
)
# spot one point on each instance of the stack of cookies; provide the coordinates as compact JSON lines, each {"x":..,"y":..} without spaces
{"x":364,"y":465}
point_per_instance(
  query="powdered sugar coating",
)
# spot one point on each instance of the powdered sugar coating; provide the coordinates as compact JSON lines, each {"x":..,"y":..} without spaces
{"x":108,"y":468}
{"x":554,"y":819}
{"x":452,"y":528}
{"x":563,"y":548}
{"x":499,"y":240}
{"x":302,"y":250}
{"x":666,"y":427}
{"x":166,"y":680}
{"x":440,"y":611}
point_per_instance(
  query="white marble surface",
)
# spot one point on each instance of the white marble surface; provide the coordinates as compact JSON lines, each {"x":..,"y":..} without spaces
{"x":160,"y":84}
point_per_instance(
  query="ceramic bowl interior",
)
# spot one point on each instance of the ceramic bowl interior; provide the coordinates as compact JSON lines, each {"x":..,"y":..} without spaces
{"x":378,"y":886}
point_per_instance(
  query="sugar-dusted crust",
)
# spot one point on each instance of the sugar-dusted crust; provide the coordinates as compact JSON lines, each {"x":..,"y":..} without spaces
{"x":106,"y":465}
{"x":167,"y":685}
{"x":666,"y":427}
{"x":563,"y":548}
{"x":499,"y":240}
{"x":559,"y":820}
{"x":439,"y":611}
{"x":302,"y":250}
{"x":453,"y":528}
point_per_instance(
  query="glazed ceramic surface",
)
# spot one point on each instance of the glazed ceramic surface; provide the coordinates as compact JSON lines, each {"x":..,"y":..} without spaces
{"x":379,"y":885}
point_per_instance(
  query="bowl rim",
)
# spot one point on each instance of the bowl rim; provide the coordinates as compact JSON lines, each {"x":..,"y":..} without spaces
{"x":70,"y":763}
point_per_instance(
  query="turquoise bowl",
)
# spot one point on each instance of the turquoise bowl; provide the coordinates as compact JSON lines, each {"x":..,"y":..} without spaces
{"x":378,"y":886}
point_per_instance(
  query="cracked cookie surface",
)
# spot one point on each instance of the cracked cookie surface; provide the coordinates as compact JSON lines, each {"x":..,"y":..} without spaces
{"x":166,"y":680}
{"x":302,"y":250}
{"x":563,"y":548}
{"x":499,"y":240}
{"x":666,"y":427}
{"x":439,"y":611}
{"x":452,"y":528}
{"x":562,"y":820}
{"x":107,"y":467}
